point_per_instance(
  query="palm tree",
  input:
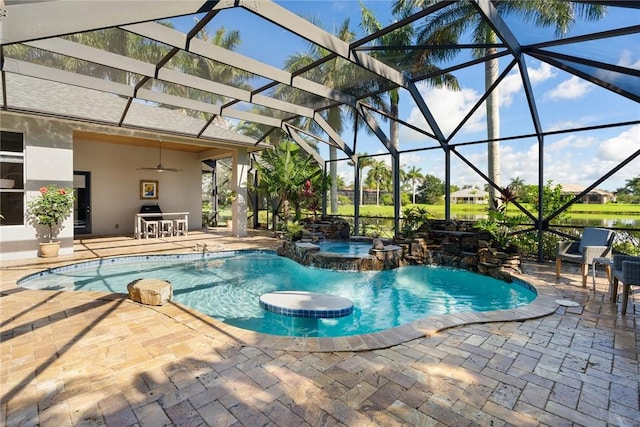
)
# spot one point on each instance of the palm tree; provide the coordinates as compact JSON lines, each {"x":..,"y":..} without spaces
{"x":332,"y":74}
{"x":282,"y":173}
{"x":378,"y":175}
{"x":517,"y":186}
{"x":448,"y":25}
{"x":415,"y":177}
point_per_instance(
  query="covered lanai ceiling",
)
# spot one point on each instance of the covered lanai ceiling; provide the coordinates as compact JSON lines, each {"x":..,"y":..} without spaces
{"x":161,"y":54}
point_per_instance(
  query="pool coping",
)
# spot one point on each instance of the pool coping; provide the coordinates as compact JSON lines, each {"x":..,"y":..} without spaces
{"x":543,"y":305}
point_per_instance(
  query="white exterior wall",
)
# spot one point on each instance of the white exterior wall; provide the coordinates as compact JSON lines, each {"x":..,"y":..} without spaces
{"x":48,"y":159}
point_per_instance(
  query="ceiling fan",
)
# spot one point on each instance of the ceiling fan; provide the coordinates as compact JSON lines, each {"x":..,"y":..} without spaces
{"x":160,"y":167}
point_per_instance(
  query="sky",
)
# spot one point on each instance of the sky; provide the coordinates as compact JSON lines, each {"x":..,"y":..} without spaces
{"x":564,"y":101}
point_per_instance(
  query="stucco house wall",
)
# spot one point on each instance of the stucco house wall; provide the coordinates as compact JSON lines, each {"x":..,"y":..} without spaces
{"x":470,"y":196}
{"x":48,"y":159}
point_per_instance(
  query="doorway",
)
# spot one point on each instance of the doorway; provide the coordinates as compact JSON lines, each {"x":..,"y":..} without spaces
{"x":82,"y":208}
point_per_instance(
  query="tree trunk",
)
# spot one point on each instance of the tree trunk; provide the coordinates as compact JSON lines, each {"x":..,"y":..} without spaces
{"x":493,"y":126}
{"x":286,"y":209}
{"x":393,"y":125}
{"x":394,"y":98}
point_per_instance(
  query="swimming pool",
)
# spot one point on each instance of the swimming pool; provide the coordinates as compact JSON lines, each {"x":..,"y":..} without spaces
{"x":228,"y":285}
{"x":348,"y":247}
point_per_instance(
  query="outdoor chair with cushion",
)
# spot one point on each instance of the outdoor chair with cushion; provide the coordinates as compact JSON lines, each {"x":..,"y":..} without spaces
{"x":626,"y":269}
{"x":595,"y":243}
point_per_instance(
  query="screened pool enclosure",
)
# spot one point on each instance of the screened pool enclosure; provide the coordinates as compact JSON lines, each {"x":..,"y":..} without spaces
{"x":479,"y":93}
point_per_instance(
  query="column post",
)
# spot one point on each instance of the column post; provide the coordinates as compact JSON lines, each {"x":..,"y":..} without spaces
{"x":239,"y":185}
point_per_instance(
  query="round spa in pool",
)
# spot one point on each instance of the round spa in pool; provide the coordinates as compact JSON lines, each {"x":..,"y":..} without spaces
{"x":228,"y":285}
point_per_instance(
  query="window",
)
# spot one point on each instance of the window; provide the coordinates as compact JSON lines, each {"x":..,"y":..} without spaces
{"x":11,"y":178}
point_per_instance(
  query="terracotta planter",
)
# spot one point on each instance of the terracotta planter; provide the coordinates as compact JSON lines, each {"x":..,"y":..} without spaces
{"x":49,"y":249}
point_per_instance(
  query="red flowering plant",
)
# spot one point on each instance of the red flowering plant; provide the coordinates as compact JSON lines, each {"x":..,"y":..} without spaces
{"x":51,"y":207}
{"x":312,"y":198}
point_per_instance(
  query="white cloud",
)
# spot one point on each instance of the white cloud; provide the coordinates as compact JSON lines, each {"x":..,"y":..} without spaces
{"x":566,"y":124}
{"x":572,"y":142}
{"x":626,"y":60}
{"x":573,"y":88}
{"x":621,"y":146}
{"x":448,"y":108}
{"x":519,"y":164}
{"x":512,"y":84}
{"x":541,"y":74}
{"x":575,"y":159}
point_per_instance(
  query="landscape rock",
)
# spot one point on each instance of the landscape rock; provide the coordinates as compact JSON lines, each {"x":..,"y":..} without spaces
{"x":150,"y":291}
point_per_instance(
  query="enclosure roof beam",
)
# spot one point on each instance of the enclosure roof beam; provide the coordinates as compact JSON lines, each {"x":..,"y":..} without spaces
{"x":47,"y":73}
{"x":303,"y":144}
{"x":333,"y":135}
{"x":98,"y":56}
{"x":375,"y":127}
{"x":55,"y":18}
{"x":177,"y":39}
{"x":305,"y":29}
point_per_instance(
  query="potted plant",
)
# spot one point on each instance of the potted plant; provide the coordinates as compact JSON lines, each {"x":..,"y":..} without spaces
{"x":50,"y":209}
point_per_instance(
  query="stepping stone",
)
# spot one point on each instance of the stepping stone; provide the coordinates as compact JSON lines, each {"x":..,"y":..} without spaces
{"x":567,"y":303}
{"x":150,"y":291}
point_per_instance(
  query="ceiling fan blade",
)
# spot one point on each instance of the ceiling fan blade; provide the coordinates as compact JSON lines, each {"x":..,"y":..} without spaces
{"x":160,"y":167}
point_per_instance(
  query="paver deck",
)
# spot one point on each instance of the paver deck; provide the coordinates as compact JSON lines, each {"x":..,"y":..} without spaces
{"x":88,"y":358}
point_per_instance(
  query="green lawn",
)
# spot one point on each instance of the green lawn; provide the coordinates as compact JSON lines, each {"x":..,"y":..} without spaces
{"x":578,"y":211}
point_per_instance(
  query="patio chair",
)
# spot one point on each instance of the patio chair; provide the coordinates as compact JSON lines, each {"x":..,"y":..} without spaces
{"x":150,"y":224}
{"x":180,"y":226}
{"x":626,"y":269}
{"x":149,"y":228}
{"x":595,"y":243}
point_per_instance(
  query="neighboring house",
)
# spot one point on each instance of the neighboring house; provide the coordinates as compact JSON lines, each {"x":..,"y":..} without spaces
{"x":102,"y":162}
{"x":473,"y":196}
{"x":595,"y":196}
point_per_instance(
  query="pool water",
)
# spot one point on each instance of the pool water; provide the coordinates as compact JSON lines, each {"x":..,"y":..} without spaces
{"x":228,"y":285}
{"x":346,"y":247}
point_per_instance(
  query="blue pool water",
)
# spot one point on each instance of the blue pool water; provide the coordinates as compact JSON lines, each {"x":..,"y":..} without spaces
{"x":346,"y":247}
{"x":228,"y":285}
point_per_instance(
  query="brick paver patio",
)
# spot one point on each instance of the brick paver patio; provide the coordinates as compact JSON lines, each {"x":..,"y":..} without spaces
{"x":86,"y":358}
